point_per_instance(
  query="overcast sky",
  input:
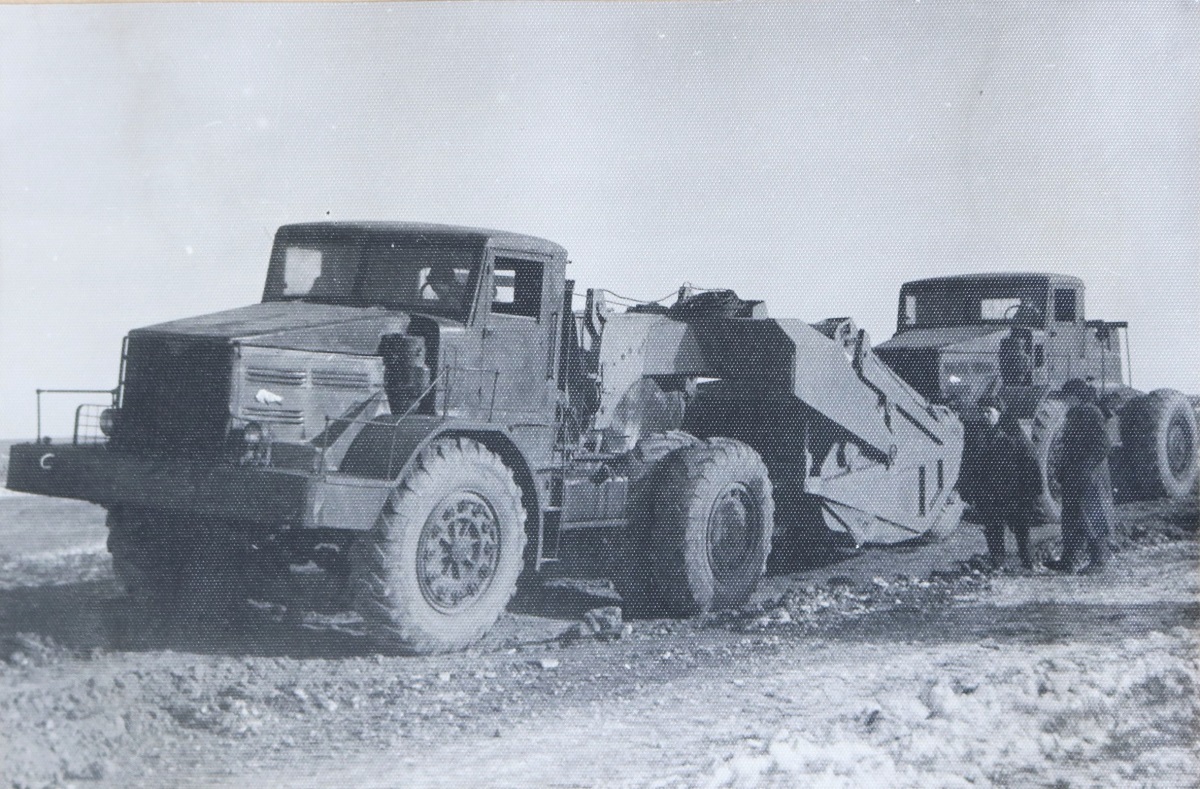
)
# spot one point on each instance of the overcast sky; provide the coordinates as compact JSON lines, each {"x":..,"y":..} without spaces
{"x":812,"y":154}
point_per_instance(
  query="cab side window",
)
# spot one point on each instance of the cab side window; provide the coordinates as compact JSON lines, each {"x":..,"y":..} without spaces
{"x":517,"y":288}
{"x":1064,"y":305}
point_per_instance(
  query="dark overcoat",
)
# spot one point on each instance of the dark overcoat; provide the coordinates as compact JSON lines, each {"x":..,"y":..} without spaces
{"x":1084,"y":473}
{"x":1005,"y":472}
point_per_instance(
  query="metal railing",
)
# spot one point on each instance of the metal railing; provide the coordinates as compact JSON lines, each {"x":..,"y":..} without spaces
{"x":79,"y":412}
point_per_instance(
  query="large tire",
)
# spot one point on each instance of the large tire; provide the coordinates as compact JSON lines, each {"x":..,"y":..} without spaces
{"x":1113,"y":401}
{"x":217,"y":577}
{"x":1158,"y":433}
{"x":631,"y":567}
{"x":442,"y":562}
{"x":188,"y":572}
{"x":147,"y":556}
{"x":1046,"y":434}
{"x":714,"y":518}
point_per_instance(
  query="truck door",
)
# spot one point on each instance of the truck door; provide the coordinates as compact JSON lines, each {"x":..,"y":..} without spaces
{"x":1065,"y":337}
{"x":517,"y":347}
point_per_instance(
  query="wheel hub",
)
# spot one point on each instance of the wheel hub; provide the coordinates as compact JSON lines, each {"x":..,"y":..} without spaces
{"x":731,"y":525}
{"x":458,"y":551}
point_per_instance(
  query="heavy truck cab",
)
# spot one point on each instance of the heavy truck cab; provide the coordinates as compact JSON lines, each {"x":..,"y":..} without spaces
{"x":960,"y":338}
{"x":500,"y":292}
{"x":1021,"y":336}
{"x":358,"y":322}
{"x":418,"y":410}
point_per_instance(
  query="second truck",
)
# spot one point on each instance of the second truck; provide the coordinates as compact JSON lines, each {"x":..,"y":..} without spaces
{"x":1020,"y":337}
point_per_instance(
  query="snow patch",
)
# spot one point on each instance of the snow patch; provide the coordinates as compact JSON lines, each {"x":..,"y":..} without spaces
{"x":64,"y":553}
{"x":57,"y":567}
{"x":1072,"y":720}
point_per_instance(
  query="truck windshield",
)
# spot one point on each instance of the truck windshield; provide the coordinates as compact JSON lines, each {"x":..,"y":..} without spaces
{"x":407,"y":272}
{"x":973,"y":302}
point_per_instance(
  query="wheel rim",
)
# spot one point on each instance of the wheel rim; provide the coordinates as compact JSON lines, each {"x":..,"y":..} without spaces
{"x":732,"y":523}
{"x":1179,"y":446}
{"x":458,"y":552}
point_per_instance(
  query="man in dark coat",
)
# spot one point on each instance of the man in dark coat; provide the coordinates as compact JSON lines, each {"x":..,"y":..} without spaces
{"x":1087,"y":502}
{"x":1006,"y":483}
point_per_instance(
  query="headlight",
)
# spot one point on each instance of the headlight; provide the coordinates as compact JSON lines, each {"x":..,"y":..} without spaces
{"x":252,"y":434}
{"x":108,"y":421}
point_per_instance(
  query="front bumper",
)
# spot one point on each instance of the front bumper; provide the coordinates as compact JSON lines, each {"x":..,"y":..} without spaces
{"x":221,"y":490}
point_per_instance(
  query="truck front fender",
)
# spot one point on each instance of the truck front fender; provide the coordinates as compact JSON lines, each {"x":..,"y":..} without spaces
{"x":387,"y":447}
{"x":384,"y":448}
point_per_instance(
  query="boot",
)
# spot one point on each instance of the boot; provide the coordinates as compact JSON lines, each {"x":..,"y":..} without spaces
{"x":1024,"y":553}
{"x":1097,"y":558}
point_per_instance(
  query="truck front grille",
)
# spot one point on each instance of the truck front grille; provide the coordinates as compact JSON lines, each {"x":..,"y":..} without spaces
{"x":176,"y":396}
{"x":270,"y":375}
{"x":341,"y":379}
{"x":282,"y":416}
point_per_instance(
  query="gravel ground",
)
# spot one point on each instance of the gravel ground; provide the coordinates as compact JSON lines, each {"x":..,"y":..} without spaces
{"x":903,"y":667}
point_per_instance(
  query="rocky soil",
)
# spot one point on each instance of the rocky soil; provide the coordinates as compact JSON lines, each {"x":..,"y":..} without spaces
{"x":899,"y":667}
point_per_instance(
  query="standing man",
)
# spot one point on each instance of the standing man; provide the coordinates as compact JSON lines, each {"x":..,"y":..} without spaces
{"x":1005,"y":484}
{"x":1087,"y":511}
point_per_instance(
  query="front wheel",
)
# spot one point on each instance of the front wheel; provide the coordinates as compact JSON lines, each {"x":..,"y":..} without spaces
{"x":148,"y":555}
{"x":172,"y":565}
{"x":714,"y":517}
{"x":443,"y":559}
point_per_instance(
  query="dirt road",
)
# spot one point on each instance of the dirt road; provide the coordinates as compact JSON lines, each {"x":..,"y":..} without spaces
{"x":888,"y":668}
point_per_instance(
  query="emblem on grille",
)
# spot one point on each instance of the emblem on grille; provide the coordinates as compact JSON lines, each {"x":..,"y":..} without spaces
{"x":267,"y":397}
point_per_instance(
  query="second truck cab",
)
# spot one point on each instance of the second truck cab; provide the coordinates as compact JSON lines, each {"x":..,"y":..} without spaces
{"x":960,"y":338}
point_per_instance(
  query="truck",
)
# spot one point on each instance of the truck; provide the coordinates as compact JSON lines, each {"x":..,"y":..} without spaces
{"x":1020,"y":337}
{"x":420,"y":412}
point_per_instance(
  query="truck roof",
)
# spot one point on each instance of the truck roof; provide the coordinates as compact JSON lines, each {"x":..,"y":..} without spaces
{"x":1040,"y":277}
{"x":502,"y":239}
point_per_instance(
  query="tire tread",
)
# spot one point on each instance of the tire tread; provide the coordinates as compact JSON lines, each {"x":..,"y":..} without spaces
{"x":692,"y":469}
{"x":385,"y":613}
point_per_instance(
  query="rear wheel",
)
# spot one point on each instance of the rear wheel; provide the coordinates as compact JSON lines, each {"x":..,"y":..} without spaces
{"x":1046,"y":435}
{"x":1158,"y":431}
{"x":632,"y":565}
{"x":442,"y":562}
{"x":1113,"y":401}
{"x":714,"y":517}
